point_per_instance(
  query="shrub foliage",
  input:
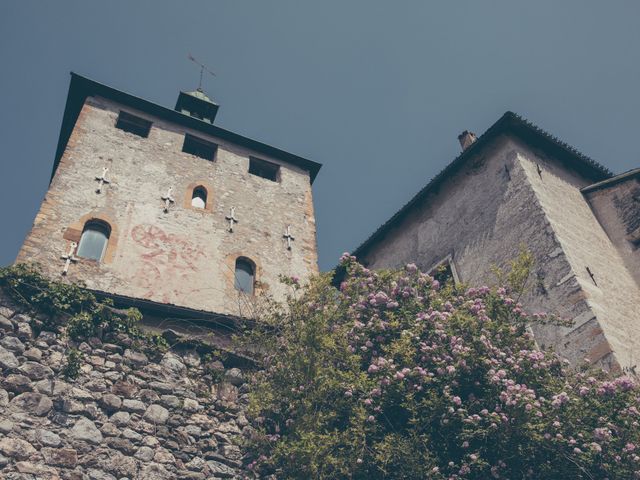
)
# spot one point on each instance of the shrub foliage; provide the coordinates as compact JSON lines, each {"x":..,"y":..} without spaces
{"x":396,"y":376}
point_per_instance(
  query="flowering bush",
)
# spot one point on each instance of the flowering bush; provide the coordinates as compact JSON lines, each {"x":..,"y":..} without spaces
{"x":396,"y":376}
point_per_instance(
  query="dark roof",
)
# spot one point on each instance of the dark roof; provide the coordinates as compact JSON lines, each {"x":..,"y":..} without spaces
{"x":81,"y":87}
{"x":510,"y":123}
{"x":609,"y":182}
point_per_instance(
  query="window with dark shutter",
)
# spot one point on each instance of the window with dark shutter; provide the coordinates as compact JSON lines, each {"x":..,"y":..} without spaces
{"x":132,"y":124}
{"x":198,"y":147}
{"x":264,"y":169}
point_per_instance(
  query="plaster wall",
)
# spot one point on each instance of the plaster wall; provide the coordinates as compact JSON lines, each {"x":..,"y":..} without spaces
{"x":617,"y":208}
{"x":184,"y":257}
{"x":480,"y":216}
{"x":612,"y":294}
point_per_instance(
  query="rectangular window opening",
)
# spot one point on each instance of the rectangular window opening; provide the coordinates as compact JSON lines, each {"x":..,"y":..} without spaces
{"x":264,"y":169}
{"x":132,"y":124}
{"x":445,"y":271}
{"x":198,"y":147}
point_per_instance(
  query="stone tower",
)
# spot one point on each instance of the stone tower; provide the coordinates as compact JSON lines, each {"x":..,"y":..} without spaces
{"x":516,"y":185}
{"x":160,"y":207}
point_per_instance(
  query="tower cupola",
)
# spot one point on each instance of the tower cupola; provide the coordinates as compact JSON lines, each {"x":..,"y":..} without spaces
{"x":198,"y":105}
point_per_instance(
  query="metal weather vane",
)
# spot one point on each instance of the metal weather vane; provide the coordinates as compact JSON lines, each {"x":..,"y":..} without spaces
{"x":203,"y":68}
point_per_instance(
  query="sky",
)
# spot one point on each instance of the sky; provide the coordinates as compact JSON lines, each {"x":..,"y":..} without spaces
{"x":376,"y":91}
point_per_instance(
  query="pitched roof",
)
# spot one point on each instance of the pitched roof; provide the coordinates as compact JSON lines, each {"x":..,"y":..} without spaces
{"x":510,"y":123}
{"x":609,"y":182}
{"x":81,"y":87}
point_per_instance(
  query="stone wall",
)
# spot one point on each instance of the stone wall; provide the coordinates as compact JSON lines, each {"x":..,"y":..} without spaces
{"x":187,"y":256}
{"x":616,"y":205}
{"x":127,"y":415}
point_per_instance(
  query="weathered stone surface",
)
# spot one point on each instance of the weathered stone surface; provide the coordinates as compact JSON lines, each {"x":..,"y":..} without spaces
{"x":7,"y":359}
{"x":6,"y":325}
{"x":173,"y":364}
{"x":35,"y":370}
{"x":220,"y":470}
{"x":163,"y":455}
{"x":170,"y":401}
{"x":156,"y":414}
{"x":137,"y":359}
{"x":149,"y":396}
{"x":154,"y":471}
{"x":17,"y":383}
{"x":31,"y":402}
{"x":4,"y":397}
{"x":62,"y":457}
{"x":191,"y":405}
{"x":40,"y":471}
{"x":34,"y":354}
{"x":145,"y":454}
{"x":6,"y":426}
{"x":24,"y":331}
{"x":110,"y":402}
{"x":12,"y":343}
{"x":121,"y":444}
{"x":121,"y":418}
{"x":86,"y":430}
{"x":16,"y":448}
{"x":124,"y":389}
{"x":48,"y":438}
{"x":135,"y":406}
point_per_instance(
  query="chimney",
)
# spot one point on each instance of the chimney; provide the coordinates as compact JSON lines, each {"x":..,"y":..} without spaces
{"x":466,"y":139}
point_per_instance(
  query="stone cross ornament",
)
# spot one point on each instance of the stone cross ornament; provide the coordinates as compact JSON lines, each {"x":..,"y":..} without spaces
{"x":102,"y":179}
{"x":232,"y":218}
{"x":168,"y":200}
{"x":69,"y":258}
{"x":289,"y":237}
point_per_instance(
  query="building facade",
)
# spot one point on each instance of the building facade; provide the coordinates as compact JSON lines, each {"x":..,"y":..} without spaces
{"x":161,"y":209}
{"x":161,"y":206}
{"x":518,"y":185}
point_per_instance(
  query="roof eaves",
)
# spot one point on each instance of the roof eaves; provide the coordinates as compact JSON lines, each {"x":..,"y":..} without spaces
{"x":509,"y":122}
{"x":612,"y":181}
{"x":82,"y":87}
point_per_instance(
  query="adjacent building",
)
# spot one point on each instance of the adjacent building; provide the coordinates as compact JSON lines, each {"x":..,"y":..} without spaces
{"x":518,"y":185}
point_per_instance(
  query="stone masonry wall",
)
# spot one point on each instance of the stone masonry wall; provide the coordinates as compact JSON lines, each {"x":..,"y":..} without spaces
{"x":126,"y":416}
{"x":184,"y":257}
{"x":617,"y":207}
{"x":480,"y":217}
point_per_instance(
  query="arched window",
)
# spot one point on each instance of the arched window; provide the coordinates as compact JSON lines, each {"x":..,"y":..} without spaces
{"x":199,"y":198}
{"x":93,"y":242}
{"x":245,"y":275}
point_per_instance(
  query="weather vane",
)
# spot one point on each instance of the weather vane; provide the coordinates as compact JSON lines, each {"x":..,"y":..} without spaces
{"x":203,"y":68}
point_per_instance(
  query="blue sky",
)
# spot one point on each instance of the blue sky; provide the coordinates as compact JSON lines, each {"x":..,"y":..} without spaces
{"x":376,"y":91}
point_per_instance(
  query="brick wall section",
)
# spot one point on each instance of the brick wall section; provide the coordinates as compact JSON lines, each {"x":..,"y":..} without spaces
{"x":617,"y":208}
{"x":482,"y":215}
{"x":180,"y":257}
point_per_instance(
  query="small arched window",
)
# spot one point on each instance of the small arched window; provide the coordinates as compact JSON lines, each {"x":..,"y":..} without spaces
{"x":93,"y":242}
{"x":245,"y":275}
{"x":199,"y":197}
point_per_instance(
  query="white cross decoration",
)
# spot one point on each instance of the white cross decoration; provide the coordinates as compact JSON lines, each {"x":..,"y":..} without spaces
{"x":168,"y":199}
{"x":102,"y":179}
{"x":232,"y":218}
{"x":289,"y":237}
{"x":69,"y":258}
